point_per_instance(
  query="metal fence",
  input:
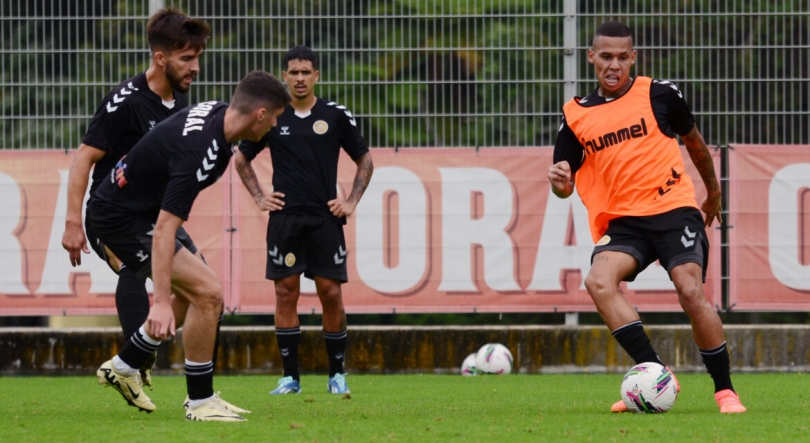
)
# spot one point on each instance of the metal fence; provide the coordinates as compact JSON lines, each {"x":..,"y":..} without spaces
{"x":421,"y":72}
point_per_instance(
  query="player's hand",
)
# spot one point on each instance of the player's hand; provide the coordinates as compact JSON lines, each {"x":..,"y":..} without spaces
{"x":160,"y":323}
{"x":272,"y":202}
{"x":712,"y":208}
{"x":341,"y":208}
{"x":559,"y":175}
{"x":74,"y":242}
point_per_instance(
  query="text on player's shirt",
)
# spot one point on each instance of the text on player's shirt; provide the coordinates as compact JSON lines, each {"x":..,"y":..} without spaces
{"x":169,"y":166}
{"x":671,"y":112}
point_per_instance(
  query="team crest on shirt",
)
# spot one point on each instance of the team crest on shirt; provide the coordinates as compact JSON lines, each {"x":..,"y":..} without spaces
{"x":289,"y":259}
{"x":320,"y":127}
{"x":603,"y":241}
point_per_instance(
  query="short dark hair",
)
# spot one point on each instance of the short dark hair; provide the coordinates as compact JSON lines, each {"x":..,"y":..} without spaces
{"x":613,"y":29}
{"x":260,"y":89}
{"x":301,"y":52}
{"x":170,"y":30}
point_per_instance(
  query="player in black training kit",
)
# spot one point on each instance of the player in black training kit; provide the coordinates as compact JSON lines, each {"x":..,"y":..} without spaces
{"x":127,"y":113}
{"x":305,"y":231}
{"x":137,"y":211}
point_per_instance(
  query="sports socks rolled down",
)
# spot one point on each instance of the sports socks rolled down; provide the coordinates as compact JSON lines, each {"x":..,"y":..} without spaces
{"x":288,"y":340}
{"x":336,"y":350}
{"x":635,"y":341}
{"x":138,"y":349}
{"x":199,"y":379}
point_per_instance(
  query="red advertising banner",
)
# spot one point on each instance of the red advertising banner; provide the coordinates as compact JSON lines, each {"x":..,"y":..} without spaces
{"x":438,"y":230}
{"x":769,"y":242}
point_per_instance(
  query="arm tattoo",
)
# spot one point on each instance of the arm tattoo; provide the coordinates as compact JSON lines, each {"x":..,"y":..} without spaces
{"x":365,"y":168}
{"x":702,"y":158}
{"x":249,"y":179}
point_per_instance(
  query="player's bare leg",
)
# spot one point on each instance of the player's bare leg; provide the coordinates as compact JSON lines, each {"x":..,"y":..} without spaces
{"x":707,"y":330}
{"x":608,"y":270}
{"x":334,"y":331}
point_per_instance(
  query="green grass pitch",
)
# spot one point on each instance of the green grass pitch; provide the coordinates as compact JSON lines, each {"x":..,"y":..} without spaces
{"x":408,"y":408}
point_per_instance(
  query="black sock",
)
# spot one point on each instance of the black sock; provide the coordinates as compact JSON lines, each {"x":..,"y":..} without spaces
{"x":216,"y":340}
{"x":137,"y":350}
{"x":199,"y":380}
{"x":718,"y":363}
{"x":635,"y":341}
{"x":288,"y":340}
{"x":336,"y":350}
{"x":131,"y":301}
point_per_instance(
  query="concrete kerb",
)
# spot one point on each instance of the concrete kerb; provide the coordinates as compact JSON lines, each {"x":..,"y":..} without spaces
{"x":413,"y":349}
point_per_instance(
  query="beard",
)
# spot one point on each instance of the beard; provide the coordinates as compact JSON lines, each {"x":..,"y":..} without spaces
{"x":175,"y":80}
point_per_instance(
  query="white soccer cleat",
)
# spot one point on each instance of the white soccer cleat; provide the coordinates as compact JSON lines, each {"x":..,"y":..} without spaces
{"x":211,"y":410}
{"x":129,"y":387}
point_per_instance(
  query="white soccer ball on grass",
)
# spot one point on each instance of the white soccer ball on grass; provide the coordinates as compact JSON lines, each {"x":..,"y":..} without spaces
{"x":468,"y":366}
{"x":649,"y":388}
{"x":493,"y":358}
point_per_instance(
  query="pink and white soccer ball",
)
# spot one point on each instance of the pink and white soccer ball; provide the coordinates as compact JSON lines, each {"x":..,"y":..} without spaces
{"x":493,"y":358}
{"x":649,"y":388}
{"x":468,"y":366}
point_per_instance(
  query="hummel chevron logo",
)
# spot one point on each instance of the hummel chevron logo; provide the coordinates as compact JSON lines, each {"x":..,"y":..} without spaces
{"x":274,"y":253}
{"x":342,"y":252}
{"x":687,"y":243}
{"x":110,"y":107}
{"x":208,"y":166}
{"x":118,"y":99}
{"x":124,"y":91}
{"x":131,"y":86}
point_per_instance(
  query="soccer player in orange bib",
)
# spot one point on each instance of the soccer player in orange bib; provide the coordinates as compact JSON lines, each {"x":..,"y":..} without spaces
{"x":617,"y":146}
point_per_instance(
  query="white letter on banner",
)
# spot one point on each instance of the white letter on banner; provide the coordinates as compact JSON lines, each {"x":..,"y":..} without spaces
{"x":412,"y":223}
{"x":11,"y":257}
{"x":783,"y":226}
{"x":56,"y":275}
{"x":460,"y":231}
{"x":553,"y":255}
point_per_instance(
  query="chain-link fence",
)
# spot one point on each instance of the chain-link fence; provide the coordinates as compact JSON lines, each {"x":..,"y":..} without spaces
{"x":421,"y":72}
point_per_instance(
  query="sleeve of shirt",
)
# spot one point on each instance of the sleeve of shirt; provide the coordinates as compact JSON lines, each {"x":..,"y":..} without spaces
{"x":678,"y":115}
{"x":183,"y":186}
{"x":107,"y":126}
{"x":568,"y":148}
{"x":351,"y":139}
{"x":251,"y":149}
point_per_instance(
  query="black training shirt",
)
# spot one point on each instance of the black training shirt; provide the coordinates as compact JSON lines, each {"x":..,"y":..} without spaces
{"x":127,"y":113}
{"x":671,"y":112}
{"x":305,"y":151}
{"x":168,"y":167}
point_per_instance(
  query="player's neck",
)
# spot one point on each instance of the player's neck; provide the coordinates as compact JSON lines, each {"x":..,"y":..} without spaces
{"x":159,"y":84}
{"x":304,"y":104}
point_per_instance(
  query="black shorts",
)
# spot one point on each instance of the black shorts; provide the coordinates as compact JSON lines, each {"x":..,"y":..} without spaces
{"x":131,"y":242}
{"x":674,"y":238}
{"x":310,"y":244}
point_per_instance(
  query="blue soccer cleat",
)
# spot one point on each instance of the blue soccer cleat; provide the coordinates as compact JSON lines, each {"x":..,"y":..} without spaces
{"x":287,"y":385}
{"x":337,"y":384}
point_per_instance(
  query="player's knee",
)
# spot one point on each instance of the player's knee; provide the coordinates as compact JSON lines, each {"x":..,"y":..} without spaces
{"x":690,"y":296}
{"x":286,"y":293}
{"x":329,"y":294}
{"x":597,"y":285}
{"x":209,"y":296}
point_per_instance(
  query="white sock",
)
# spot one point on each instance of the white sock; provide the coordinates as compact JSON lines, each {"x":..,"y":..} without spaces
{"x":123,"y":368}
{"x":195,"y":403}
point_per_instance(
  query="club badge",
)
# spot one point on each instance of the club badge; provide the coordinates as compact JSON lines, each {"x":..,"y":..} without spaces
{"x":320,"y":127}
